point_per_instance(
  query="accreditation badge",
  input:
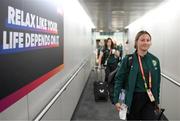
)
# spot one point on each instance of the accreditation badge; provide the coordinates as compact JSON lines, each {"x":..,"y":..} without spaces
{"x":150,"y":95}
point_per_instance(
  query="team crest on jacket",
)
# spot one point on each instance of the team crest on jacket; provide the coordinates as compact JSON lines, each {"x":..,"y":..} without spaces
{"x":154,"y":62}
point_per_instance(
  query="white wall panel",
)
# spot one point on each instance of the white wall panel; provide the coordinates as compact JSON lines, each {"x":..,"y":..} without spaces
{"x":18,"y":111}
{"x":170,"y":100}
{"x":43,"y":94}
{"x":64,"y":107}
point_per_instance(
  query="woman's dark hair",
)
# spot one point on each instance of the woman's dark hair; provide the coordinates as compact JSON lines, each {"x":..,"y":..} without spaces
{"x":138,"y":35}
{"x":112,"y":44}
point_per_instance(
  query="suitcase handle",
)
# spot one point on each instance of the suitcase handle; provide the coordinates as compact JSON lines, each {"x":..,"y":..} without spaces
{"x":99,"y":68}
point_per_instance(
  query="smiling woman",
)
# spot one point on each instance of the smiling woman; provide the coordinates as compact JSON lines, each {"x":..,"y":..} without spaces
{"x":142,"y":42}
{"x":142,"y":81}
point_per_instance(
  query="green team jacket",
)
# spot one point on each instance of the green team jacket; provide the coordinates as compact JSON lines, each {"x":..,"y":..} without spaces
{"x":126,"y":78}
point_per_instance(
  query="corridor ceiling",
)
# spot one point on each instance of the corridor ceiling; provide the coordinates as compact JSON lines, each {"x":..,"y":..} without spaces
{"x":114,"y":15}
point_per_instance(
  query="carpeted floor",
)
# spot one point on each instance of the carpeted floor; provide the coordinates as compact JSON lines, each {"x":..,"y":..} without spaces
{"x":88,"y":109}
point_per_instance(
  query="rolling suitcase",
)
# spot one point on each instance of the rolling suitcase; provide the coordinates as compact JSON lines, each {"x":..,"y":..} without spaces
{"x":100,"y":88}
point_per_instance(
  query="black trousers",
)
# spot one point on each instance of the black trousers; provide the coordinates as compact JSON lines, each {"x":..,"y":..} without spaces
{"x":109,"y":69}
{"x":142,"y":108}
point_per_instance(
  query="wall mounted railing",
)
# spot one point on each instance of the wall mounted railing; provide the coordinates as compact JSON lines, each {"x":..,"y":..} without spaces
{"x":59,"y":93}
{"x":170,"y":79}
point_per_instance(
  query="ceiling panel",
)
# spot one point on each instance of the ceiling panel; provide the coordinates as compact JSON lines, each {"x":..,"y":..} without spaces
{"x":110,"y":15}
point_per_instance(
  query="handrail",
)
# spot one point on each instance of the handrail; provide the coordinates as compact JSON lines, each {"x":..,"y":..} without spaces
{"x":47,"y":107}
{"x":170,"y":79}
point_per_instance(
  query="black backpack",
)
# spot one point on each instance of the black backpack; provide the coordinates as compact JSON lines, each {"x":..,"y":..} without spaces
{"x":112,"y":74}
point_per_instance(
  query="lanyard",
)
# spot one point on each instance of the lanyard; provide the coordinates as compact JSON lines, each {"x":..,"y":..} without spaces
{"x":142,"y":72}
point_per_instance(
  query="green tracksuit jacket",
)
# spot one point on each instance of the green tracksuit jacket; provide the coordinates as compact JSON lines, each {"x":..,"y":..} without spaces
{"x":127,"y":75}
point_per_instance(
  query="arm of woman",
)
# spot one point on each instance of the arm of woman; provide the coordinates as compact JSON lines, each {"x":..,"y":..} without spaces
{"x":100,"y":58}
{"x":120,"y":78}
{"x":159,"y":81}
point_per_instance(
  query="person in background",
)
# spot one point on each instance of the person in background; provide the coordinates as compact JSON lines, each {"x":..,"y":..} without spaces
{"x":109,"y":58}
{"x":127,"y":48}
{"x":139,"y":74}
{"x":120,"y":49}
{"x":98,"y":49}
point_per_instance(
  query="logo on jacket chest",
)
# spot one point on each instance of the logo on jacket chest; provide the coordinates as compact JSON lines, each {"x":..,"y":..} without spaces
{"x":154,"y":62}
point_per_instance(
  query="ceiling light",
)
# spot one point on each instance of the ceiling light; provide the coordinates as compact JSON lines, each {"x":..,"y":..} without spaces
{"x":101,"y":30}
{"x":118,"y":12}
